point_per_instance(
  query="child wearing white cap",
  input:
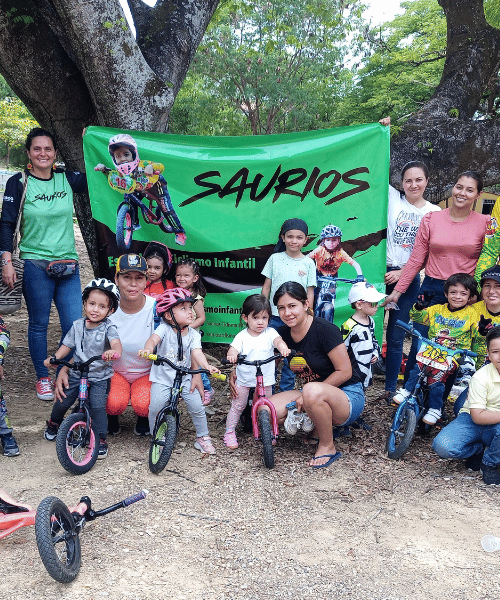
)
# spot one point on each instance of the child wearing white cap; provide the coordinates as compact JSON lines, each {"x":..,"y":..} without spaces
{"x":359,"y":331}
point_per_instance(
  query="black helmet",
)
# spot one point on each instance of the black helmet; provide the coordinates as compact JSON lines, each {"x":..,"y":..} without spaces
{"x":106,"y":286}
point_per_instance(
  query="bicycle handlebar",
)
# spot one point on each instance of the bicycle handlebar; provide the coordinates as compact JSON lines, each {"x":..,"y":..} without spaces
{"x":334,"y":279}
{"x":407,"y":327}
{"x":89,"y":514}
{"x":76,"y":366}
{"x":241,"y":360}
{"x":158,"y":360}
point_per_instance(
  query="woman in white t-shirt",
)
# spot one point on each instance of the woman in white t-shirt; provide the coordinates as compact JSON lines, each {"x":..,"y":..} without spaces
{"x":406,"y":210}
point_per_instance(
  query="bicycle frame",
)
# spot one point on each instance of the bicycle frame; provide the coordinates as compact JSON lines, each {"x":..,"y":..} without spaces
{"x":15,"y":515}
{"x":259,"y":400}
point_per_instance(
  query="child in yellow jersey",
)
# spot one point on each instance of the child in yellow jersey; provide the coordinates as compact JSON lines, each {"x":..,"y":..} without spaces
{"x":450,"y":325}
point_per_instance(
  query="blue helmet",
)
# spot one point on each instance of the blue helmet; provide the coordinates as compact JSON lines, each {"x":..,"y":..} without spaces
{"x":330,"y":231}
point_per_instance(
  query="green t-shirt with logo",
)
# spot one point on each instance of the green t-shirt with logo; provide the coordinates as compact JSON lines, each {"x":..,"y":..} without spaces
{"x":47,"y":221}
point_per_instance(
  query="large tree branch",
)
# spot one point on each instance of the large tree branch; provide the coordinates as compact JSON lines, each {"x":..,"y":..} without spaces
{"x":171,"y":34}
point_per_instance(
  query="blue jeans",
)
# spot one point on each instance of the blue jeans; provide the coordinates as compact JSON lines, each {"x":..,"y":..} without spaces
{"x":463,"y":438}
{"x":395,"y":335}
{"x":287,"y":381}
{"x":436,"y":389}
{"x":436,"y":287}
{"x":39,"y":290}
{"x":206,"y":382}
{"x":356,"y":395}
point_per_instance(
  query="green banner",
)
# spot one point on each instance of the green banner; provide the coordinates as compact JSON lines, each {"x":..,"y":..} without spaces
{"x":222,"y":200}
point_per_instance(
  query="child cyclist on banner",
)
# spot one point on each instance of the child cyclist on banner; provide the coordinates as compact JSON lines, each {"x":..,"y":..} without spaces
{"x":188,"y":277}
{"x":450,"y":325}
{"x":329,"y":256}
{"x":475,"y":434}
{"x":132,"y":175}
{"x":89,"y":336}
{"x":181,"y":344}
{"x":287,"y":263}
{"x":9,"y":444}
{"x":256,"y":342}
{"x":159,"y":260}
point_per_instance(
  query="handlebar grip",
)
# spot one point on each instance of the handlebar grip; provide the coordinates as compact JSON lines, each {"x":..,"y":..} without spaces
{"x":152,"y":357}
{"x":224,"y":361}
{"x":135,"y":498}
{"x":219,"y":376}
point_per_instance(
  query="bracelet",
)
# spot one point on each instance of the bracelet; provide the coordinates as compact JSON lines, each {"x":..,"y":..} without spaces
{"x":5,"y":261}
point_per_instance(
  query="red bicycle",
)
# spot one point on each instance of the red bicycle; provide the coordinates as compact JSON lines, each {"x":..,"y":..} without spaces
{"x":264,"y":422}
{"x":56,"y":528}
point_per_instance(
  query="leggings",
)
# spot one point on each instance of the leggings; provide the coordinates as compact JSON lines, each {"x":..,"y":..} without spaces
{"x":238,"y":405}
{"x":160,"y":394}
{"x":121,"y":391}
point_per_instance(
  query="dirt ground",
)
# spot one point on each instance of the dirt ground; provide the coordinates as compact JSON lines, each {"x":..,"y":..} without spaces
{"x":224,"y":527}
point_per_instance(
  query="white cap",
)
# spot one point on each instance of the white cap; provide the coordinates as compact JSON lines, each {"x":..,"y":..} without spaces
{"x":364,"y":291}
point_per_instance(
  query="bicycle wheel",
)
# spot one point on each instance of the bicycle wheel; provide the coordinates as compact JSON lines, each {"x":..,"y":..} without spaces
{"x":57,"y":540}
{"x":402,"y":431}
{"x":76,"y":448}
{"x":266,"y":436}
{"x":124,"y":227}
{"x":162,"y":444}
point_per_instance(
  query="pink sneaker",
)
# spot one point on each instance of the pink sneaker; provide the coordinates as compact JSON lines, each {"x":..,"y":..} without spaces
{"x":230,"y":440}
{"x":44,"y":389}
{"x":204,"y":444}
{"x":207,"y":397}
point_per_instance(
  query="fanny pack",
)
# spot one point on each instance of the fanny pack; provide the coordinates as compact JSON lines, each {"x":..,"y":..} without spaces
{"x":57,"y":269}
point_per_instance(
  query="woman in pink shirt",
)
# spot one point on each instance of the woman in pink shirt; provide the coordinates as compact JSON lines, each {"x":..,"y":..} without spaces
{"x":447,"y":242}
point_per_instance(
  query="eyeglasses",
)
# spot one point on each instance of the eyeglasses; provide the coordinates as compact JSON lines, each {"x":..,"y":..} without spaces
{"x":372,"y":304}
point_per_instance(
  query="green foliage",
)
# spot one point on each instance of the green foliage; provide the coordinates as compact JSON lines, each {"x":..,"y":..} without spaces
{"x":15,"y":123}
{"x":492,"y":12}
{"x":403,"y":63}
{"x":278,"y":64}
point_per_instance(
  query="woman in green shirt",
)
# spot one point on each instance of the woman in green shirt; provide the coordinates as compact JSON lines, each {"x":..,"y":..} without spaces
{"x":46,"y":235}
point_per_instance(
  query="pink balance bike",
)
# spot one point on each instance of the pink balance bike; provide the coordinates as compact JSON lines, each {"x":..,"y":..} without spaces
{"x":264,"y":422}
{"x":57,"y":528}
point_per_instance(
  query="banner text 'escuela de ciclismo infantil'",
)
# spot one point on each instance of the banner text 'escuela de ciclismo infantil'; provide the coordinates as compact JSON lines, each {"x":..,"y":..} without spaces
{"x":222,"y":200}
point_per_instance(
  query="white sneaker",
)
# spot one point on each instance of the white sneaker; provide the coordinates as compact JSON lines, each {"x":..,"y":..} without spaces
{"x":432,"y":416}
{"x":401,"y":396}
{"x":293,"y":421}
{"x":307,"y":425}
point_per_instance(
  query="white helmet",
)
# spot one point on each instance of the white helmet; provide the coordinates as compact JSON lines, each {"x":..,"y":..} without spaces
{"x":123,"y":139}
{"x":106,"y":286}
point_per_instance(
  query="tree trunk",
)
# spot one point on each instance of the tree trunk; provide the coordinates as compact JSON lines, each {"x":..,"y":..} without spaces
{"x":77,"y":63}
{"x":443,"y":133}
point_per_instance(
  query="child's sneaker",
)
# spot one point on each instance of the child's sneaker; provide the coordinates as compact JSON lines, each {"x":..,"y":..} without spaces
{"x":142,"y":427}
{"x":432,"y":416}
{"x":307,"y":424}
{"x":50,"y":433}
{"x":114,"y":425}
{"x":401,"y":396}
{"x":490,"y":473}
{"x":293,"y":421}
{"x":44,"y":389}
{"x":204,"y":444}
{"x":10,"y":447}
{"x":230,"y":440}
{"x":103,"y":449}
{"x":207,"y":397}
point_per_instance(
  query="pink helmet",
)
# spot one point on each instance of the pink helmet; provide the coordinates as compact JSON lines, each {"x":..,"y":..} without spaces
{"x":123,"y":139}
{"x":171,"y":298}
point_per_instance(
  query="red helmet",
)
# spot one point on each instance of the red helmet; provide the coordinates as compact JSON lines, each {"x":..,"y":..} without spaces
{"x":171,"y":298}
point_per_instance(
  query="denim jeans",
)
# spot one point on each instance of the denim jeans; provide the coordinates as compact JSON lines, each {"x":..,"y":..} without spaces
{"x":39,"y":290}
{"x":395,"y":335}
{"x":436,"y":287}
{"x":436,"y":389}
{"x":463,"y":438}
{"x":287,"y":381}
